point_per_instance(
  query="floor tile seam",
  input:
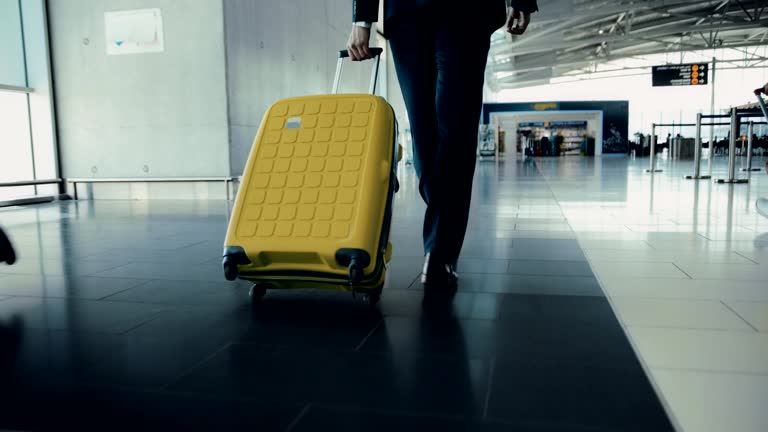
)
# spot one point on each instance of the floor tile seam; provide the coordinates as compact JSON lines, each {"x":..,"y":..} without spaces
{"x":296,"y":420}
{"x":695,"y":262}
{"x":722,"y":279}
{"x":718,"y":298}
{"x":153,"y":303}
{"x":414,"y":353}
{"x":711,"y":371}
{"x":180,"y":376}
{"x":642,"y":361}
{"x":370,"y":333}
{"x":650,"y":278}
{"x":155,"y":316}
{"x":682,"y":271}
{"x":452,"y":417}
{"x":695,"y":329}
{"x":419,"y":316}
{"x":739,"y":315}
{"x":746,"y":257}
{"x":144,"y":283}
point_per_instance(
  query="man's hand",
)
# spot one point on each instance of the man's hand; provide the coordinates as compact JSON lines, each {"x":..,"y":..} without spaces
{"x":357,"y":45}
{"x":763,"y":90}
{"x":517,"y":22}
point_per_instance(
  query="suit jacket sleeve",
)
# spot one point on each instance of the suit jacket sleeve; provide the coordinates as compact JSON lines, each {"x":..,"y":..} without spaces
{"x":365,"y":10}
{"x":525,"y":5}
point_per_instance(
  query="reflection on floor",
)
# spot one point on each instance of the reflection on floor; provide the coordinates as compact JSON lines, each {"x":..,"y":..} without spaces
{"x":126,"y":316}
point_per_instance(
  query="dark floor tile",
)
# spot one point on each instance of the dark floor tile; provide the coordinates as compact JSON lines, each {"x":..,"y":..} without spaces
{"x":559,"y":393}
{"x":186,"y":292}
{"x":303,"y":319}
{"x":507,"y":248}
{"x":43,"y":359}
{"x":543,"y":254}
{"x":80,"y":287}
{"x":218,"y":322}
{"x":465,"y":305}
{"x":86,"y":408}
{"x":480,"y":265}
{"x":322,"y":418}
{"x":434,"y":336}
{"x":184,"y":256}
{"x":552,"y":308}
{"x":295,"y":318}
{"x":65,"y":266}
{"x":402,"y":271}
{"x":544,"y":285}
{"x":572,"y":330}
{"x":545,"y":244}
{"x":78,"y":315}
{"x":549,"y":268}
{"x":167,"y":271}
{"x":411,"y":383}
{"x":148,"y":363}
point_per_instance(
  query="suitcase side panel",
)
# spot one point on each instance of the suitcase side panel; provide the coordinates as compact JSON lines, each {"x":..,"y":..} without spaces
{"x":316,"y":181}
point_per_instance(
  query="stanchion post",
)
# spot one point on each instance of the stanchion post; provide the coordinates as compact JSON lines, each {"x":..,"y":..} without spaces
{"x":653,"y":151}
{"x":732,"y":146}
{"x":697,"y":153}
{"x":732,"y":151}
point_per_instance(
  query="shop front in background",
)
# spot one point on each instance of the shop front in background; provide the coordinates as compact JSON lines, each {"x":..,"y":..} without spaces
{"x":556,"y":138}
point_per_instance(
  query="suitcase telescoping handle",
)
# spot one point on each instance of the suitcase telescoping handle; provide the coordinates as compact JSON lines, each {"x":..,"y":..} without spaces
{"x":374,"y":73}
{"x":761,"y":102}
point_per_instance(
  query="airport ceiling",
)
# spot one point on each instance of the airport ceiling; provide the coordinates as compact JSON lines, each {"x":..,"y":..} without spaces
{"x":572,"y":36}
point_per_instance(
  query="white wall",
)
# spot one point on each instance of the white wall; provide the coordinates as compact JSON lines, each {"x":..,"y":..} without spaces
{"x":159,"y":114}
{"x":279,"y":49}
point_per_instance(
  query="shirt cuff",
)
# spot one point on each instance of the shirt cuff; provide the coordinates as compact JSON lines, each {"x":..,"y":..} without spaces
{"x":363,"y":24}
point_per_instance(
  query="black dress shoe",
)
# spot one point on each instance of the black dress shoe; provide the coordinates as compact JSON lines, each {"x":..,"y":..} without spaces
{"x":438,"y":273}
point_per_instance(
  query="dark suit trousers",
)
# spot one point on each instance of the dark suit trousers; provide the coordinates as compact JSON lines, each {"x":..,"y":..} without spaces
{"x":440,"y":64}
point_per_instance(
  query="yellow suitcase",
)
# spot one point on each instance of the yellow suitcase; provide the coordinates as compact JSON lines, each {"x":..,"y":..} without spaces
{"x":315,"y":204}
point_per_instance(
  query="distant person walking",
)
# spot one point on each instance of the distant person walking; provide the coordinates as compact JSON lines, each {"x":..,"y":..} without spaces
{"x":440,"y":50}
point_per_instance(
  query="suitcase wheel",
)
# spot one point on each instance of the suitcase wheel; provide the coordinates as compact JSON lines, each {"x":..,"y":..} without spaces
{"x":257,"y":293}
{"x":233,"y":256}
{"x":368,"y":299}
{"x":230,"y":269}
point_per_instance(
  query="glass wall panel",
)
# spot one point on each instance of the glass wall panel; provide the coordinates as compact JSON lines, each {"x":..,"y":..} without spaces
{"x":15,"y":147}
{"x":12,"y":69}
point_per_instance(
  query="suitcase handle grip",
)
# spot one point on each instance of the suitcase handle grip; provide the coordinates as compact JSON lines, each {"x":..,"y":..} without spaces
{"x":375,"y":51}
{"x":374,"y":73}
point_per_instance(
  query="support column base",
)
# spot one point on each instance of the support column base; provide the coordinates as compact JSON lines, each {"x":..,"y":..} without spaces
{"x":734,"y":181}
{"x":701,"y":177}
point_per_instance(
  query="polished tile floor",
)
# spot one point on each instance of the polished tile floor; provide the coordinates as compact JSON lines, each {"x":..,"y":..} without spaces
{"x":118,"y":312}
{"x":685,"y":266}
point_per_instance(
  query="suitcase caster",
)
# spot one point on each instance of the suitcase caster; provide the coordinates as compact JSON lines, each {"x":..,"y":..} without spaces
{"x":230,"y":269}
{"x":367,"y":299}
{"x":233,"y":256}
{"x":257,"y":294}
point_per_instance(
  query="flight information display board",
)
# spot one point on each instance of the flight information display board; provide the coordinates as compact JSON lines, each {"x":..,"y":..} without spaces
{"x":681,"y":75}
